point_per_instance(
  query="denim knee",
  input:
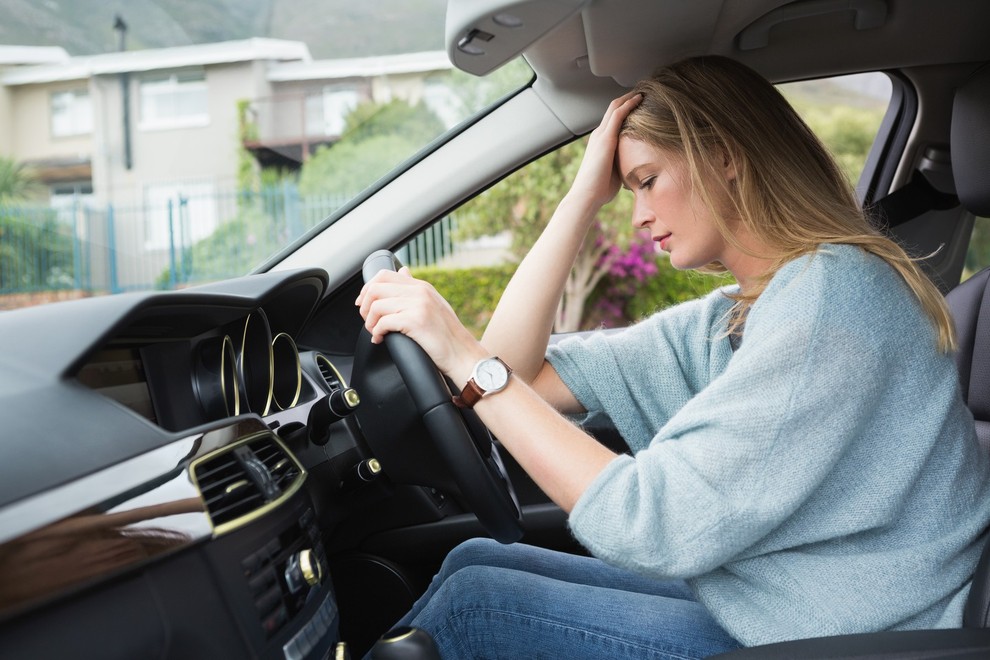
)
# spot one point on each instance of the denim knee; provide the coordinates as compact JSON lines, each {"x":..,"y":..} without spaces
{"x":473,"y":552}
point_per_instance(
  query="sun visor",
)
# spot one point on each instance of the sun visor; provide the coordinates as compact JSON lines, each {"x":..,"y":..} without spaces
{"x":482,"y":35}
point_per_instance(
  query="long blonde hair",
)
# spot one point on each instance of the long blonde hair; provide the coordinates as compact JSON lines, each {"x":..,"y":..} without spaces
{"x":787,"y":193}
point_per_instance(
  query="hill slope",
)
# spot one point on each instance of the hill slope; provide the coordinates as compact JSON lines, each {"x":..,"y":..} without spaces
{"x":331,"y":28}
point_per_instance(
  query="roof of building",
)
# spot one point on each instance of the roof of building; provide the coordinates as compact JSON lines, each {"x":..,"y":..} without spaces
{"x":132,"y":61}
{"x":360,"y":67}
{"x":21,"y":55}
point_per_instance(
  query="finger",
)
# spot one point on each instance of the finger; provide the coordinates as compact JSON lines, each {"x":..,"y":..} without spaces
{"x":377,"y":311}
{"x":380,"y":276}
{"x":396,"y":315}
{"x":387,"y":283}
{"x":622,"y":110}
{"x":375,"y":290}
{"x":625,"y":98}
{"x":629,"y":99}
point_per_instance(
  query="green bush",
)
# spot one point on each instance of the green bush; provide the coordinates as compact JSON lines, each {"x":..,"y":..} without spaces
{"x":474,"y":293}
{"x":669,"y":287}
{"x":236,"y":246}
{"x":36,"y":252}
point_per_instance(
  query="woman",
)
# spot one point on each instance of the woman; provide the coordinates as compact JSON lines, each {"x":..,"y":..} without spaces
{"x":802,"y":462}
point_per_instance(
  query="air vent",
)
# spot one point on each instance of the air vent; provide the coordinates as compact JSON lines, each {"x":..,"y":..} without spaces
{"x":330,"y":374}
{"x":244,"y":480}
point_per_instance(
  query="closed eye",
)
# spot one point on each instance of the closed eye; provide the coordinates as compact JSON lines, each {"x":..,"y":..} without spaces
{"x":647,"y":183}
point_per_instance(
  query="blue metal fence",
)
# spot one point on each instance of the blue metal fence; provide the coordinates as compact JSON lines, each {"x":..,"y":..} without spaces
{"x":176,"y":240}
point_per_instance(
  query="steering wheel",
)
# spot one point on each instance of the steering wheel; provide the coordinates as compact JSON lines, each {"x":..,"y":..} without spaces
{"x":419,"y":435}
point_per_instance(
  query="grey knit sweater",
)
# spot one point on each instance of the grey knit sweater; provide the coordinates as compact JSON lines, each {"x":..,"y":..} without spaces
{"x":824,"y":478}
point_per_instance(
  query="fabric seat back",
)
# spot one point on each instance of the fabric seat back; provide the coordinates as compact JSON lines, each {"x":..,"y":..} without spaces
{"x":970,"y":301}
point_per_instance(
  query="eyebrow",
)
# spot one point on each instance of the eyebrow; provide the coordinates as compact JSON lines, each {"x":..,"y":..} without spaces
{"x":630,"y":174}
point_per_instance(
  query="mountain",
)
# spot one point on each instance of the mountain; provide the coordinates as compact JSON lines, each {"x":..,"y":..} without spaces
{"x":331,"y":28}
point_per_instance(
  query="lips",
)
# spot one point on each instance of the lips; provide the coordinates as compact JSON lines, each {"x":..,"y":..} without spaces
{"x":663,"y":241}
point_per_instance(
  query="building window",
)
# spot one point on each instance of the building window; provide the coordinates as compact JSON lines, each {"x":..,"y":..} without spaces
{"x":174,"y":101}
{"x":327,"y":110}
{"x":72,"y":113}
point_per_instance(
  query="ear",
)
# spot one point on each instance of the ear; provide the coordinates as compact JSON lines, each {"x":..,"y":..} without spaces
{"x":728,"y":166}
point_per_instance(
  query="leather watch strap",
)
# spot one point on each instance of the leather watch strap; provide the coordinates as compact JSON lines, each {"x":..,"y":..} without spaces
{"x":469,"y":396}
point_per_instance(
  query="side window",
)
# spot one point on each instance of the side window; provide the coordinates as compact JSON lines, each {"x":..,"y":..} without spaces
{"x":619,"y":278}
{"x":845,"y":112}
{"x":978,"y":252}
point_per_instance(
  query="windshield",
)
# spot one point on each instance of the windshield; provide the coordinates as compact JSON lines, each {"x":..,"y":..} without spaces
{"x":145,"y":150}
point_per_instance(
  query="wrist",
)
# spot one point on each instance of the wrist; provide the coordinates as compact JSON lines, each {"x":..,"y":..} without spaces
{"x":489,"y":376}
{"x":463,"y":367}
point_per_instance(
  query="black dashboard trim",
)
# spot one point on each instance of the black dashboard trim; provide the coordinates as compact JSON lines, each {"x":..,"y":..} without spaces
{"x":55,"y":429}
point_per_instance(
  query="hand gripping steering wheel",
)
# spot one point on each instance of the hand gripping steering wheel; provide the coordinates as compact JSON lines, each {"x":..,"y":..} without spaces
{"x":455,"y":438}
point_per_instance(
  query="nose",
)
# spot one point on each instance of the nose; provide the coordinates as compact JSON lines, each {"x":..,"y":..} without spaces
{"x":641,"y":215}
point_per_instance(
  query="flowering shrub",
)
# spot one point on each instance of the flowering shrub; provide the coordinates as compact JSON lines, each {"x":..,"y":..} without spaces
{"x":641,"y":282}
{"x":627,"y":269}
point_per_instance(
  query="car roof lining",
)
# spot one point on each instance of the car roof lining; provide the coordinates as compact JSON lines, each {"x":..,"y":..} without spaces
{"x":575,"y":60}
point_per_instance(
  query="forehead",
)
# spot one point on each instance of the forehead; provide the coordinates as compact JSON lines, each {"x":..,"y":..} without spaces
{"x":633,"y":154}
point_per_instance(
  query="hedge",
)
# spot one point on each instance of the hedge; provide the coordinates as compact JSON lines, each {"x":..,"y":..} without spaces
{"x":669,"y":287}
{"x":474,"y":293}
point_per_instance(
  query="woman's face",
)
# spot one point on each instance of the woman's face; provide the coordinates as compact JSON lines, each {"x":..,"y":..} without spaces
{"x":667,"y":206}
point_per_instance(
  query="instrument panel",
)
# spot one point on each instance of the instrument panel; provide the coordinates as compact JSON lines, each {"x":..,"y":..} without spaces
{"x":237,"y":369}
{"x":214,"y":363}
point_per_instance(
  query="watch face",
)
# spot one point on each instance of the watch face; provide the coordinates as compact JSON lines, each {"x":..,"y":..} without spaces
{"x":491,"y":375}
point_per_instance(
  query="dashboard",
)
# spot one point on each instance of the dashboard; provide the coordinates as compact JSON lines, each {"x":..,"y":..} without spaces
{"x":158,"y":450}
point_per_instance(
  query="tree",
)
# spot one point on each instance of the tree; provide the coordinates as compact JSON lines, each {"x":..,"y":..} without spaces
{"x":348,"y":167}
{"x":17,"y":182}
{"x":470,"y":94}
{"x":375,"y":139}
{"x":845,"y":120}
{"x":417,"y":122}
{"x":523,"y":203}
{"x":35,"y":251}
{"x":847,"y":132}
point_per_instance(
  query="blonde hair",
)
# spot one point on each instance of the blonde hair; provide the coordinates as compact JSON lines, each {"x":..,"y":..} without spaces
{"x":787,"y":193}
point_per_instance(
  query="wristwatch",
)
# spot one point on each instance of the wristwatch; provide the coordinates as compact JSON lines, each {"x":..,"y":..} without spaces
{"x":489,"y":376}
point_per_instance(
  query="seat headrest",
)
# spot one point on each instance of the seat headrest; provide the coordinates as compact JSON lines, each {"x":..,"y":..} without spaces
{"x":970,"y":140}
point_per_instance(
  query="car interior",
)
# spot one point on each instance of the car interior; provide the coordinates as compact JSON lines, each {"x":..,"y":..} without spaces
{"x":234,"y":470}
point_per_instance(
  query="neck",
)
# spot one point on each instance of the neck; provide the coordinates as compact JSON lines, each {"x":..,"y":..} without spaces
{"x":748,"y":263}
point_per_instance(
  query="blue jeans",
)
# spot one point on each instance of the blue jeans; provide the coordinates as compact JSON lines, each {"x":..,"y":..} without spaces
{"x":517,"y":601}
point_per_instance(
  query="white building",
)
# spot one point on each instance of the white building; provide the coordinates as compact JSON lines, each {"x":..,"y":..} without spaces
{"x":139,"y":136}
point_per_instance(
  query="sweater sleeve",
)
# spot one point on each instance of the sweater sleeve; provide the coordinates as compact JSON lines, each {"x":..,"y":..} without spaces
{"x":740,"y":457}
{"x":682,"y":347}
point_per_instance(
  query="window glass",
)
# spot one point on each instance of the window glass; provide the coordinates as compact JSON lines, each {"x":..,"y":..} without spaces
{"x":620,"y":277}
{"x":845,"y":112}
{"x":443,"y":100}
{"x":978,"y":252}
{"x":72,"y":113}
{"x":178,"y":215}
{"x":288,"y":131}
{"x":174,"y":101}
{"x":327,"y":111}
{"x":280,"y":178}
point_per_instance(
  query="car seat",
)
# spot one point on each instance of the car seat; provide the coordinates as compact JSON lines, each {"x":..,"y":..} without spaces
{"x":970,"y":301}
